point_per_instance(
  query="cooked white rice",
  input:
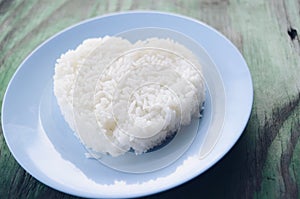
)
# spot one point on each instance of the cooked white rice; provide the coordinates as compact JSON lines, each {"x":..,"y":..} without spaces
{"x":119,"y":96}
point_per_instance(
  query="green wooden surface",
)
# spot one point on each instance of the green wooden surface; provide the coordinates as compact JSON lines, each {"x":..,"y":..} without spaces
{"x":265,"y":163}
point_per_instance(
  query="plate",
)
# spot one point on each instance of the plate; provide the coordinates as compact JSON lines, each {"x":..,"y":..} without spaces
{"x":44,"y":145}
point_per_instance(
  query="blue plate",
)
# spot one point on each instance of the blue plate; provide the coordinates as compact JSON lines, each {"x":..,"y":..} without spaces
{"x":45,"y":146}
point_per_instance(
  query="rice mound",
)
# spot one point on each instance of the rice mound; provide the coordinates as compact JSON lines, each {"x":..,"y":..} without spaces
{"x":118,"y":96}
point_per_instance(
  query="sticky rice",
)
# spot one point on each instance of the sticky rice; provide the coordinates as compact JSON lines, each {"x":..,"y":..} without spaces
{"x":118,"y":96}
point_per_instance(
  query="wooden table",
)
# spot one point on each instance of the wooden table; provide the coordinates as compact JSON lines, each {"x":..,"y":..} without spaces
{"x":265,"y":163}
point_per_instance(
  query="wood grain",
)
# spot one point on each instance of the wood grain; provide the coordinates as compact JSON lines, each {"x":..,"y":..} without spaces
{"x":265,"y":163}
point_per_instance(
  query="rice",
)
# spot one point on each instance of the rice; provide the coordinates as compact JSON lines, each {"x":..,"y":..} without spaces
{"x":118,"y":96}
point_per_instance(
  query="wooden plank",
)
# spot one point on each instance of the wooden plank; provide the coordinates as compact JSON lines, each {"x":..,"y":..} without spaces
{"x":274,"y":62}
{"x":265,"y":163}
